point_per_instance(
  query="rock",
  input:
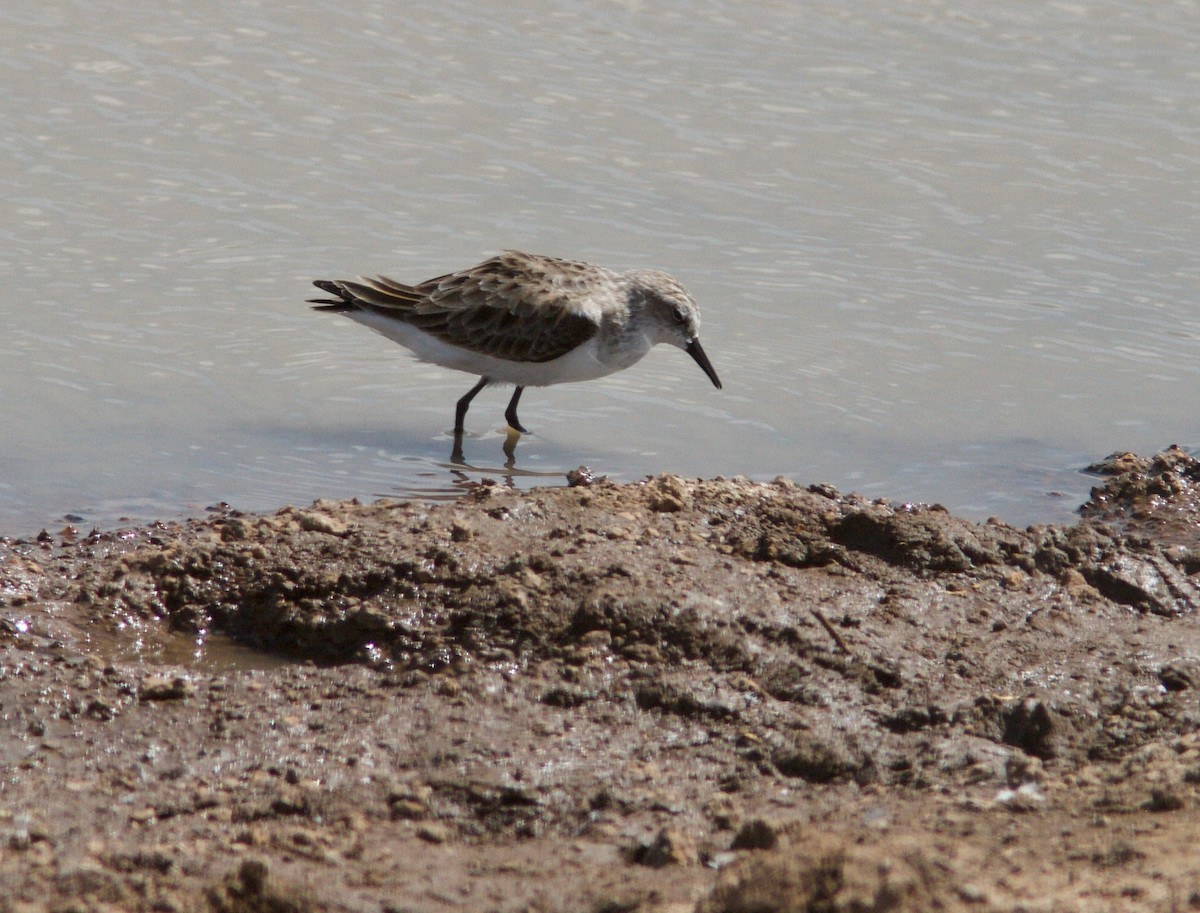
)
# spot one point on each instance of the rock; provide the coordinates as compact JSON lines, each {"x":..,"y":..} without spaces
{"x":668,"y":493}
{"x":1035,"y":727}
{"x":826,"y":875}
{"x":1020,"y":768}
{"x":162,"y":688}
{"x":815,"y":761}
{"x":313,"y":522}
{"x":670,"y":847}
{"x":1180,"y":674}
{"x":1164,"y":799}
{"x":250,"y":889}
{"x":410,"y":802}
{"x":1118,"y":463}
{"x":433,"y":832}
{"x":756,"y":834}
{"x":234,"y":529}
{"x":581,"y":477}
{"x":1025,"y":798}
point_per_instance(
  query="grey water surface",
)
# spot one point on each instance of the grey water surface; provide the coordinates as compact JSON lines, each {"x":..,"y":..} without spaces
{"x":943,"y":252}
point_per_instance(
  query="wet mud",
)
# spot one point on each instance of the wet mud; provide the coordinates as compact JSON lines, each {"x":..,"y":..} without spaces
{"x":677,"y":695}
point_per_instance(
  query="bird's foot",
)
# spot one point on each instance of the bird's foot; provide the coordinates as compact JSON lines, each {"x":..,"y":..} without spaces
{"x":510,"y":447}
{"x":456,"y":452}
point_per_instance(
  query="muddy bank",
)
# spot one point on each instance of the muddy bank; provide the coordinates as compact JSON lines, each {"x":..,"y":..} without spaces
{"x":677,"y":695}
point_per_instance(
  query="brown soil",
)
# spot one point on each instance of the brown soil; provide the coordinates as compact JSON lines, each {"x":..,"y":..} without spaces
{"x":670,"y":696}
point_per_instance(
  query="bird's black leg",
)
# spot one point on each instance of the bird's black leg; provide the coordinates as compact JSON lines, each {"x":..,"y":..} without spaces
{"x":510,"y":414}
{"x":460,"y":411}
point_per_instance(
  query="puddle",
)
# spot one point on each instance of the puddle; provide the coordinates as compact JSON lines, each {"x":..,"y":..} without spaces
{"x":51,"y":627}
{"x":208,"y":653}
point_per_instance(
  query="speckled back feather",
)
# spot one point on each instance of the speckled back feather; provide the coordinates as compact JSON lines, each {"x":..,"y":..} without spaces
{"x":511,"y":306}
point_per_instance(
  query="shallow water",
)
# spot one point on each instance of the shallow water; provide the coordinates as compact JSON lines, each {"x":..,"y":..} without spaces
{"x":943,"y":253}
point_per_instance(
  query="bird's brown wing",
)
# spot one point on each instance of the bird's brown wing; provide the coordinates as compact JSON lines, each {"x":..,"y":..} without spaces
{"x":513,"y":306}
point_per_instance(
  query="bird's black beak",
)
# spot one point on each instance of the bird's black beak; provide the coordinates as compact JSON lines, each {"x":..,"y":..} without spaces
{"x":695,"y":350}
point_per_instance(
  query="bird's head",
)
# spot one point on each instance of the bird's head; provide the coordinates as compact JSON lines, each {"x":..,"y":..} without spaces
{"x":668,"y":314}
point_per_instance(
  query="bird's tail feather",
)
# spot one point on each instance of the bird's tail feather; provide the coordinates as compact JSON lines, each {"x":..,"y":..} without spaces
{"x":380,"y":294}
{"x":339,"y":305}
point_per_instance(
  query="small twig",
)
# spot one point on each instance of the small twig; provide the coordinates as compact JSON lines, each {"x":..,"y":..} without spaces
{"x":832,"y":631}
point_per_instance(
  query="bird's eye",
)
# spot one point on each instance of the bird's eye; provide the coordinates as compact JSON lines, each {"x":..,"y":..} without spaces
{"x":680,"y":316}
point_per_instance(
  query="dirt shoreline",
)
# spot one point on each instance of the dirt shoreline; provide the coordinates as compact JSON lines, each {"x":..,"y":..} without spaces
{"x":676,"y":695}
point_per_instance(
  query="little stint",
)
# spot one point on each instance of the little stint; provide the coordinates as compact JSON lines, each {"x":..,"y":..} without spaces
{"x":526,"y":320}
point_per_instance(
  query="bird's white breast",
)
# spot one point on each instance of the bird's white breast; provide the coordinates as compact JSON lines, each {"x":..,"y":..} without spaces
{"x":592,"y":359}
